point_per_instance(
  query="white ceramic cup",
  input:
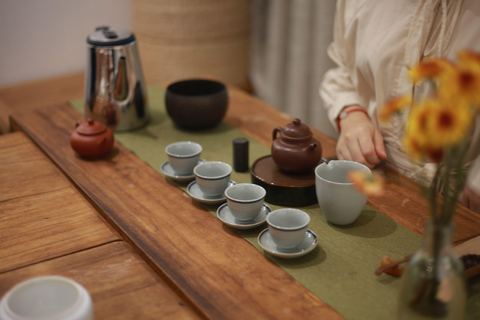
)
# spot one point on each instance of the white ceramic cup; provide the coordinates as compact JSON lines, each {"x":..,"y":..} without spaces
{"x":339,"y":200}
{"x":183,"y":156}
{"x":245,"y":200}
{"x":287,"y":227}
{"x":47,"y":297}
{"x":212,"y":177}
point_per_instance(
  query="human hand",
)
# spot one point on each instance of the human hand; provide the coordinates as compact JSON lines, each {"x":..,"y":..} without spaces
{"x":360,"y":140}
{"x":470,"y":199}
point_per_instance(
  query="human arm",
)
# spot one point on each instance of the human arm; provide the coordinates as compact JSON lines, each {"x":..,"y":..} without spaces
{"x":360,"y":140}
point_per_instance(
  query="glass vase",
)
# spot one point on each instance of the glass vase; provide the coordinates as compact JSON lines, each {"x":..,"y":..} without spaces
{"x":433,"y":285}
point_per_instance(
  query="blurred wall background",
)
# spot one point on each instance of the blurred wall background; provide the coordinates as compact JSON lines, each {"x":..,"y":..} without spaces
{"x":289,"y":56}
{"x":281,"y":50}
{"x":46,"y":38}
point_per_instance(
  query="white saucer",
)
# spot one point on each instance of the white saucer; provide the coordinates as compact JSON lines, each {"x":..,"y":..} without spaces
{"x":194,"y":191}
{"x":226,"y":216}
{"x":308,"y":244}
{"x":168,"y":171}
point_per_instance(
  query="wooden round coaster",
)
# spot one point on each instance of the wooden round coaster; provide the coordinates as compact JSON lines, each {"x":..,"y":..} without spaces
{"x":284,"y":189}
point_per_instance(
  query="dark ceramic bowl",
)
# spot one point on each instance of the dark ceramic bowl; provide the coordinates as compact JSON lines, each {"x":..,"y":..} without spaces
{"x":196,"y":104}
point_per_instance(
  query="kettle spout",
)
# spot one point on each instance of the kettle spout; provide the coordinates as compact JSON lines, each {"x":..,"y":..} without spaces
{"x":120,"y":88}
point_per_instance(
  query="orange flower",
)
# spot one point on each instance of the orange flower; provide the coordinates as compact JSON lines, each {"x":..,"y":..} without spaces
{"x":435,"y":155}
{"x":394,"y":271}
{"x":433,"y":125}
{"x":449,"y":123}
{"x":468,"y":57}
{"x":392,"y":106}
{"x":464,"y":84}
{"x":370,"y":184}
{"x":433,"y":68}
{"x":418,"y":126}
{"x":413,"y":147}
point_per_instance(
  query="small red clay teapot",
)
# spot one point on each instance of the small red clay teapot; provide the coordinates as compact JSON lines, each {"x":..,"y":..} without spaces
{"x":91,"y":139}
{"x":296,"y":150}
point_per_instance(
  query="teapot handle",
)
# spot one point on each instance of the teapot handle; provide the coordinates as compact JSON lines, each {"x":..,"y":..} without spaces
{"x":275,"y":131}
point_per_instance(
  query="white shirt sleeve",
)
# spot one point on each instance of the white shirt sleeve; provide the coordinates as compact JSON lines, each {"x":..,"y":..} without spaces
{"x":337,"y":89}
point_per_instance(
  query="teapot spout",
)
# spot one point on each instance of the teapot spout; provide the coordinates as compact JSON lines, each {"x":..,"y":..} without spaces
{"x":310,"y":147}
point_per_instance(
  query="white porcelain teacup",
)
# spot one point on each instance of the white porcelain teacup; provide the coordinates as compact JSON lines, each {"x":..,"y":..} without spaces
{"x":339,"y":200}
{"x":183,"y":156}
{"x":288,"y":227}
{"x":47,"y":297}
{"x":212,"y":177}
{"x":245,"y":200}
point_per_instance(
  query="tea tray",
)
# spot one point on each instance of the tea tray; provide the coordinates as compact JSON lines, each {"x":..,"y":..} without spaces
{"x":284,"y":189}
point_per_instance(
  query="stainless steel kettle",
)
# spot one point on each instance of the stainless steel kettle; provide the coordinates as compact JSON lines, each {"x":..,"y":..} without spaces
{"x":115,"y":91}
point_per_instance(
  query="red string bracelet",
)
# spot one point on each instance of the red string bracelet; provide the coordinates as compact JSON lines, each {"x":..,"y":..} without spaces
{"x":343,"y":114}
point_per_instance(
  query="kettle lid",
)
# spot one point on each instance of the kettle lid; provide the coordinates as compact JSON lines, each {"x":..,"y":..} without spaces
{"x":106,"y":37}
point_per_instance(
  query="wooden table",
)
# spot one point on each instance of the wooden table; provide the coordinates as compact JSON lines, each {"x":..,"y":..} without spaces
{"x":196,"y":270}
{"x":48,"y":227}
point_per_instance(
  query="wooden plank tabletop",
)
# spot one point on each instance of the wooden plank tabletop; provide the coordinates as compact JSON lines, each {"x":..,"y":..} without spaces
{"x":403,"y":200}
{"x":403,"y":203}
{"x":121,"y":284}
{"x":40,"y":208}
{"x":222,"y":274}
{"x":48,"y":227}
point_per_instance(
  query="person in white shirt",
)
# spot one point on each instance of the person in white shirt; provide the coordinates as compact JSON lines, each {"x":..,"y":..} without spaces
{"x":375,"y":43}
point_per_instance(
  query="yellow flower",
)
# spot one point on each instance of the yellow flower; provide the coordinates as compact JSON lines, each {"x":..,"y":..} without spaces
{"x":413,"y":147}
{"x":469,"y":58}
{"x":421,"y":149}
{"x":435,"y":124}
{"x":370,"y":184}
{"x":392,"y":106}
{"x":463,"y":82}
{"x":435,"y":154}
{"x":449,"y":123}
{"x":432,"y":68}
{"x":418,"y":122}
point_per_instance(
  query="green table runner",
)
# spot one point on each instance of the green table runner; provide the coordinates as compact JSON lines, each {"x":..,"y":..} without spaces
{"x":340,"y":271}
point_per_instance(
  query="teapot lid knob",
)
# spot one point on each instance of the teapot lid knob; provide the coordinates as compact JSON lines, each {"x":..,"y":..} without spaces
{"x":297,"y":130}
{"x":90,"y":127}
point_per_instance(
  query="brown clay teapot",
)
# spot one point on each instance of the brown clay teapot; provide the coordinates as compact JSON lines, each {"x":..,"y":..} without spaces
{"x":91,"y":139}
{"x":296,"y":150}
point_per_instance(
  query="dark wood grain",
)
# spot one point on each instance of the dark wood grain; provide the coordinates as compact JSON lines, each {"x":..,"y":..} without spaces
{"x":223,"y":275}
{"x":42,"y":215}
{"x":121,"y":284}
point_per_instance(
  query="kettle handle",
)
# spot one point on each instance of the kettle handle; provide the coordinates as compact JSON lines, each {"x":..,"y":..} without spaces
{"x":275,"y":131}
